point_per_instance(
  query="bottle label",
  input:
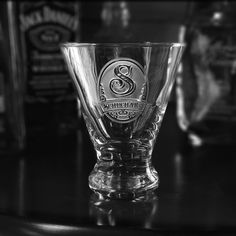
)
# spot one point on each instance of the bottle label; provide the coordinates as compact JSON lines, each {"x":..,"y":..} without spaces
{"x":43,"y":27}
{"x":122,"y":90}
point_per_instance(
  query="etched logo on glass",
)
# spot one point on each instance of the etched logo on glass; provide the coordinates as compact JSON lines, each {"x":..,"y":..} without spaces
{"x":122,"y":90}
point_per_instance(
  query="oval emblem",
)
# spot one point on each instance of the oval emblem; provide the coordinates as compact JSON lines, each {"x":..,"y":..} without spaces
{"x":122,"y":90}
{"x":48,"y":37}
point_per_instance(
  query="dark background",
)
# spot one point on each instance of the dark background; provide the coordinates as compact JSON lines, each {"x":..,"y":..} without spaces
{"x":150,"y":20}
{"x":44,"y":190}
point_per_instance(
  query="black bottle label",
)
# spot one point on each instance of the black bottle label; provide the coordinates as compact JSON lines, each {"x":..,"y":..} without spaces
{"x":43,"y":27}
{"x":49,"y":97}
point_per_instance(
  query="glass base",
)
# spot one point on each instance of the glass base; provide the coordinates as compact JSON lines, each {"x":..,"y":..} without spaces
{"x":123,"y":180}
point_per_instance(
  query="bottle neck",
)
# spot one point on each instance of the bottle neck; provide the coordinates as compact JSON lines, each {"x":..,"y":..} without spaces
{"x":115,"y":14}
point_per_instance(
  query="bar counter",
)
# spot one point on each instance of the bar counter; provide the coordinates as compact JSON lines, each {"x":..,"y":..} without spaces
{"x":44,"y":190}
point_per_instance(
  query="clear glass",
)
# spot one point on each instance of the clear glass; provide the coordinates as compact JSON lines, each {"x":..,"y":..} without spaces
{"x":124,"y":90}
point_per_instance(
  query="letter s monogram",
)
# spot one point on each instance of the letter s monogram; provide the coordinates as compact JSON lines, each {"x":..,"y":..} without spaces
{"x":123,"y":85}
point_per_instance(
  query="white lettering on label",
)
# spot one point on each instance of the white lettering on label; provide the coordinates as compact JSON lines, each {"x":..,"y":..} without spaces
{"x":48,"y":15}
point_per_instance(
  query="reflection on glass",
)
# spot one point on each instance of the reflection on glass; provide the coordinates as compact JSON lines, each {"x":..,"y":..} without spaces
{"x":114,"y":212}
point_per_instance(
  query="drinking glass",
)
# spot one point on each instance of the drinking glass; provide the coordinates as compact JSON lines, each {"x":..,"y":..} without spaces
{"x":124,"y":90}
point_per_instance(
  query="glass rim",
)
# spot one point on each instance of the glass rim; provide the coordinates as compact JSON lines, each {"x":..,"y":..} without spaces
{"x":122,"y":44}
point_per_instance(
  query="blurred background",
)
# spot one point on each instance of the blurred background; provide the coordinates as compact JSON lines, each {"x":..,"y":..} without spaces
{"x":40,"y":116}
{"x":147,"y":20}
{"x":37,"y":97}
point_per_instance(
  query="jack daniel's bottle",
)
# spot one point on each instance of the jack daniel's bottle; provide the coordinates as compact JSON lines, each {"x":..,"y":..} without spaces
{"x":50,"y":104}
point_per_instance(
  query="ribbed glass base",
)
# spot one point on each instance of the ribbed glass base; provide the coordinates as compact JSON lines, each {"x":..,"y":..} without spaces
{"x":123,"y":180}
